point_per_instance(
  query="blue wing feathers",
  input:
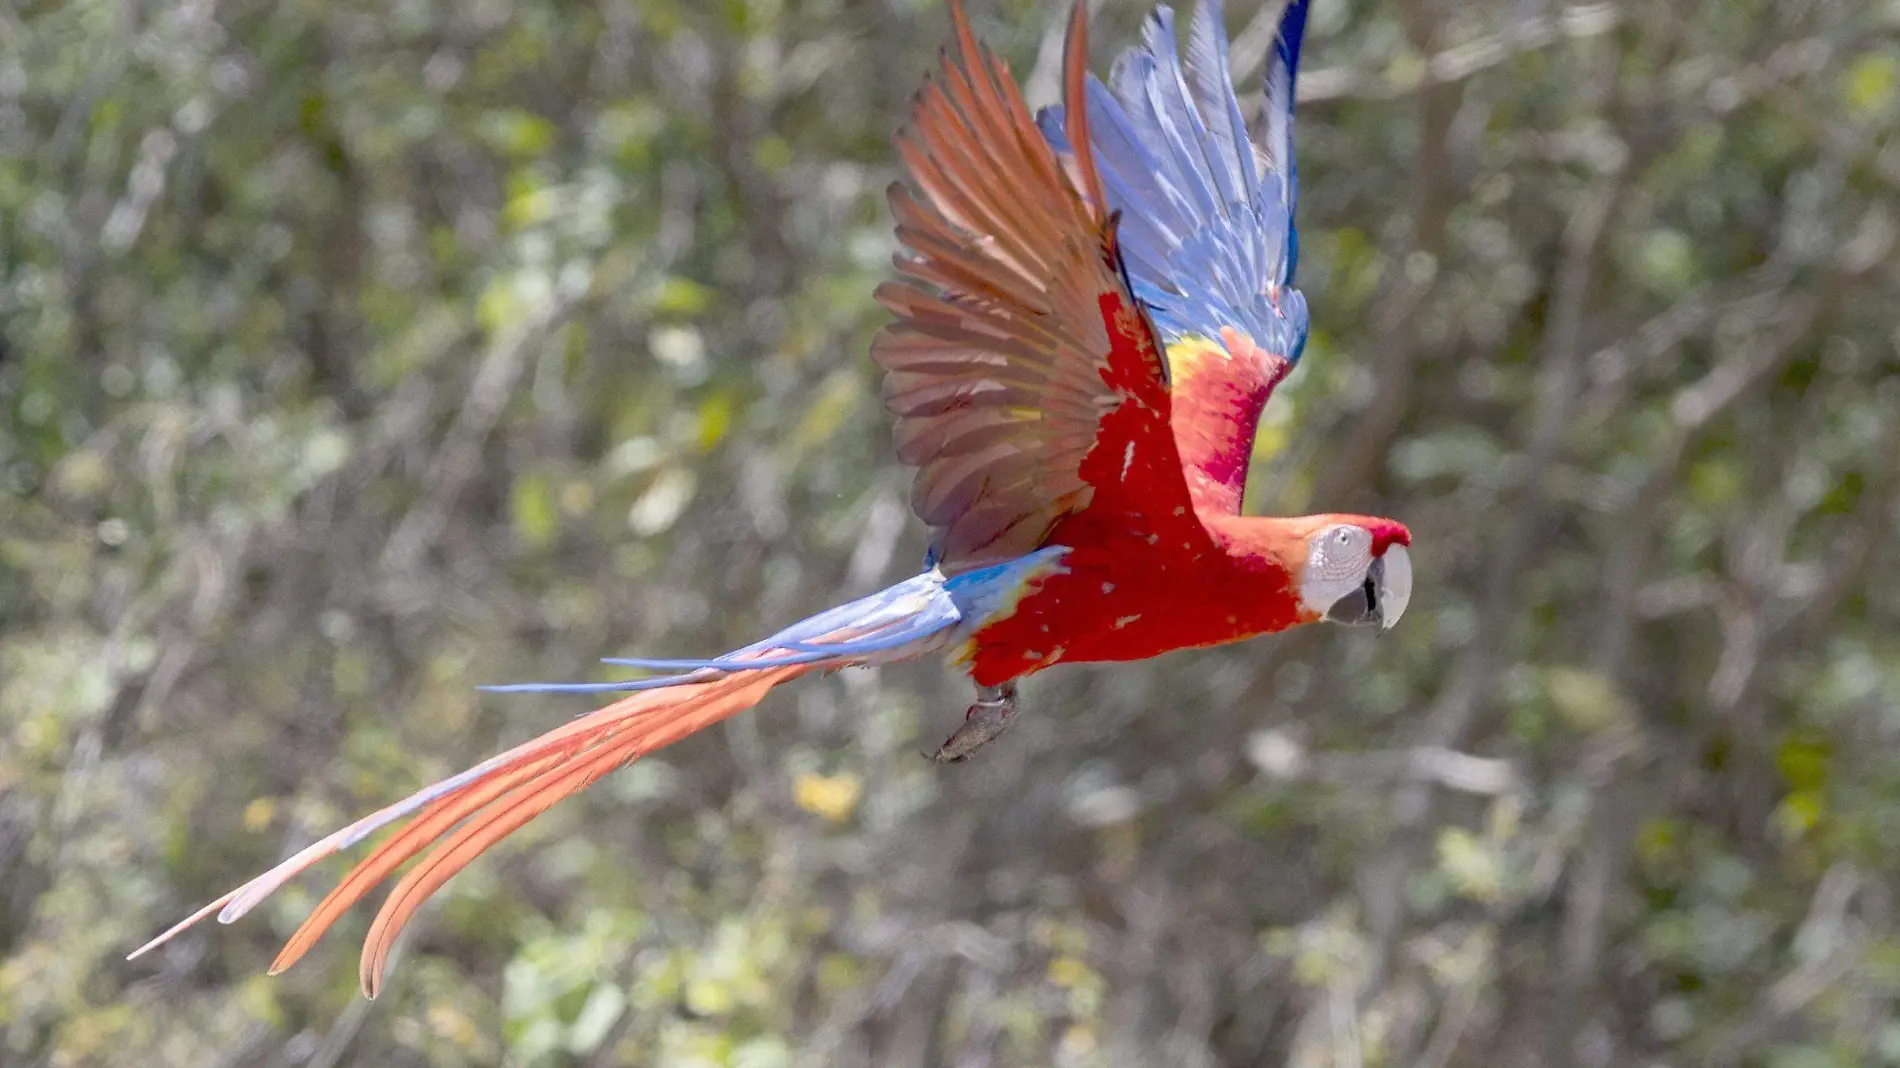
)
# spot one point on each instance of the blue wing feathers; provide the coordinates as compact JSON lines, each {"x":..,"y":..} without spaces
{"x":1214,"y":94}
{"x":1187,"y":130}
{"x":1282,"y":71}
{"x":1207,"y":217}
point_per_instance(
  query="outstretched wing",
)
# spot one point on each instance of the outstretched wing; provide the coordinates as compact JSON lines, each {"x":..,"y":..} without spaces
{"x":1025,"y":379}
{"x":1207,"y":227}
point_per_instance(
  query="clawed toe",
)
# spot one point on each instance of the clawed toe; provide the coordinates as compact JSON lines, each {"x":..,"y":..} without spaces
{"x":994,"y":710}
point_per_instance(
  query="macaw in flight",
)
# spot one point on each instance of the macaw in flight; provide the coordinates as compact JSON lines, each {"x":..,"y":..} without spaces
{"x":1092,"y":307}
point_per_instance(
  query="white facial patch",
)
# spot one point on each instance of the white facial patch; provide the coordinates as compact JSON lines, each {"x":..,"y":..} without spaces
{"x":1336,"y":564}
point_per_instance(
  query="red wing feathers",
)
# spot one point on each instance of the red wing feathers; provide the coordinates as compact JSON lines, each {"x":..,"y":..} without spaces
{"x":1016,"y":336}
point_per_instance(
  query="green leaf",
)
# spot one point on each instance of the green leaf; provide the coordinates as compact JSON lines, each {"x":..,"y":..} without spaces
{"x":534,"y":510}
{"x":681,"y":297}
{"x":1586,"y":699}
{"x":1870,"y":86}
{"x":518,"y":134}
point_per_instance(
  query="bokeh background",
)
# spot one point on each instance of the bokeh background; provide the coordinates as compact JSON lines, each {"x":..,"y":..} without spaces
{"x":352,"y":354}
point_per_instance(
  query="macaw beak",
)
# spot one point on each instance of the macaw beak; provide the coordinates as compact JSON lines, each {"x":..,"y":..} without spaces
{"x":1382,"y":597}
{"x":1394,"y":571}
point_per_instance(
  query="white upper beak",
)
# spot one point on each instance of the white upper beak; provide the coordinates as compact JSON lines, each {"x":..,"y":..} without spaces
{"x":1395,"y":591}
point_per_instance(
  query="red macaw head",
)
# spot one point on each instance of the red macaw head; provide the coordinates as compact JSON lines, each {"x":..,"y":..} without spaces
{"x":1351,"y":569}
{"x":1357,"y":570}
{"x":1342,"y":568}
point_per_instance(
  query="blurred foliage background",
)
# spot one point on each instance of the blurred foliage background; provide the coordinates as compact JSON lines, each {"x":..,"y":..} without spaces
{"x":352,"y":354}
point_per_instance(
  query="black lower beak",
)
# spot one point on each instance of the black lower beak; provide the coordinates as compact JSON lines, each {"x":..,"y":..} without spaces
{"x":1360,"y":608}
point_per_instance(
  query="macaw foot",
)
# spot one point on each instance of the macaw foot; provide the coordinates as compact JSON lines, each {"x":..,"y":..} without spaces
{"x":995,"y":708}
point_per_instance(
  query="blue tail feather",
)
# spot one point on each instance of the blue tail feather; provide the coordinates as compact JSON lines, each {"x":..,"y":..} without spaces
{"x":627,"y":685}
{"x":908,"y":614}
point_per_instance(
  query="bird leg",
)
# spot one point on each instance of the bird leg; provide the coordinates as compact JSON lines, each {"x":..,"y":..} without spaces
{"x":993,"y":711}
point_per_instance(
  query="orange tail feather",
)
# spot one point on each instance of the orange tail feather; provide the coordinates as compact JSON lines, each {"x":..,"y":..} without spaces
{"x":426,"y":827}
{"x":621,"y":741}
{"x":465,"y":815}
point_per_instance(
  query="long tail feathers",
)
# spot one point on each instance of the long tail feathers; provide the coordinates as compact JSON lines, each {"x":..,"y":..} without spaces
{"x":462,"y":816}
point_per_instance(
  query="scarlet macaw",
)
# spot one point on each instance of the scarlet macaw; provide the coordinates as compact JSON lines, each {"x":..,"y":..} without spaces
{"x":1082,"y":489}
